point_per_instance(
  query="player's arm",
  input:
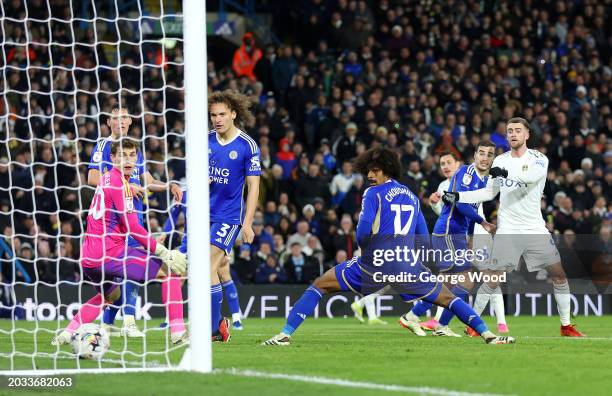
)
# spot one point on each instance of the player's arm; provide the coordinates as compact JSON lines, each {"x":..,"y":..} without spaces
{"x":93,"y":177}
{"x":465,"y":209}
{"x":486,"y":193}
{"x":252,"y":171}
{"x":155,"y":185}
{"x":369,"y":208}
{"x":129,"y":219}
{"x":435,"y":200}
{"x":252,"y":183}
{"x":93,"y":174}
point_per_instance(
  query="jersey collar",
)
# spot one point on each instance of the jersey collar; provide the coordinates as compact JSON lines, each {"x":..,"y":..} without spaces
{"x":226,"y":143}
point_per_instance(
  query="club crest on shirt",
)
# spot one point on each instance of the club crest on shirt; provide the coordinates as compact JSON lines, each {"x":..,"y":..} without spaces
{"x":97,"y":157}
{"x":525,"y":168}
{"x":233,"y":154}
{"x":467,"y":179}
{"x":129,"y":205}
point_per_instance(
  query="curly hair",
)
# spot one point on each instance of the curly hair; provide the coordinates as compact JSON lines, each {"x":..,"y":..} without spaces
{"x":235,"y":101}
{"x":382,"y":158}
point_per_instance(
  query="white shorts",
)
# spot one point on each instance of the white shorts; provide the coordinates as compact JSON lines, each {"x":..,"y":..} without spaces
{"x":482,"y":245}
{"x":538,"y":250}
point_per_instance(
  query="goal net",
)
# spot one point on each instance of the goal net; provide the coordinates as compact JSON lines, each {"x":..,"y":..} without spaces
{"x":76,"y":75}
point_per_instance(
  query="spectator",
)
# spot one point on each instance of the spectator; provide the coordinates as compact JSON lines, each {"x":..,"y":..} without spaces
{"x":345,"y":147}
{"x":345,"y":236}
{"x":302,"y":234}
{"x":246,"y":57}
{"x":342,"y":183}
{"x":311,"y":186}
{"x":269,"y":272}
{"x":300,"y":268}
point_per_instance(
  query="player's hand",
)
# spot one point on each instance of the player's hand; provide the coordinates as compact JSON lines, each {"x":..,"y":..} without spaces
{"x":450,"y":197}
{"x":489,"y":227}
{"x":161,"y":238}
{"x":247,"y":233}
{"x":434,"y":198}
{"x":178,"y":262}
{"x":498,"y":172}
{"x":138,"y":191}
{"x":177,"y":193}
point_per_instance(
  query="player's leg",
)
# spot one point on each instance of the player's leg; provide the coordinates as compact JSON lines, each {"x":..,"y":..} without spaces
{"x":369,"y":303}
{"x":222,"y":238}
{"x":466,"y":314}
{"x":107,"y":292}
{"x":499,"y":310}
{"x":562,"y":296}
{"x":231,"y":293}
{"x":326,"y":283}
{"x":462,"y":291}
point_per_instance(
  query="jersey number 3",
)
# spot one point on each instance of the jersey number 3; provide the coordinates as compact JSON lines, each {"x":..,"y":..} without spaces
{"x":398,"y":227}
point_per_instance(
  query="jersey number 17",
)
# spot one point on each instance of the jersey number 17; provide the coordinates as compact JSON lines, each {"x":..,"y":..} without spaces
{"x":400,"y":228}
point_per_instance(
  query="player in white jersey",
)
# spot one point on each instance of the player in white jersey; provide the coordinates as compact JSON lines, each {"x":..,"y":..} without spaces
{"x":519,"y":176}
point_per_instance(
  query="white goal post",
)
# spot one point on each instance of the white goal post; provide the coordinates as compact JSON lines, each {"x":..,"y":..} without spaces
{"x":58,"y":83}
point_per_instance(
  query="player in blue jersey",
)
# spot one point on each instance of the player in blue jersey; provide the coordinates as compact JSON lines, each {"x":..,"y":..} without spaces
{"x":119,"y":123}
{"x":450,"y":238}
{"x":224,"y":273}
{"x":390,"y":213}
{"x":233,"y":162}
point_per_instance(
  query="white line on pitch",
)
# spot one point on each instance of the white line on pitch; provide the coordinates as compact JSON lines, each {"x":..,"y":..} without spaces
{"x":421,"y":390}
{"x":569,"y":338}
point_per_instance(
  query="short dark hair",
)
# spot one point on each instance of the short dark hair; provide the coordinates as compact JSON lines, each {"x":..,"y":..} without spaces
{"x":452,"y":154}
{"x":519,"y":120}
{"x":383,"y":158}
{"x":124,"y":143}
{"x":485,"y":143}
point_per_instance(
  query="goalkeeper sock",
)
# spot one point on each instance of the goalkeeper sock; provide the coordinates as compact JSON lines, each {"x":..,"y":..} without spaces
{"x":303,"y":307}
{"x":466,"y":314}
{"x":562,"y":295}
{"x":497,"y":301}
{"x":87,"y":314}
{"x":216,"y":299}
{"x":421,"y":307}
{"x":231,"y":294}
{"x":447,"y":315}
{"x":172,"y":298}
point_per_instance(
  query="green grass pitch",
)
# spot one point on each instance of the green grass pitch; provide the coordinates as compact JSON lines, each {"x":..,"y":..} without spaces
{"x":541,"y":363}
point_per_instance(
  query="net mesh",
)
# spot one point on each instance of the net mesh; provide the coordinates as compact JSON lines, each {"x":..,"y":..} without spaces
{"x":64,"y":66}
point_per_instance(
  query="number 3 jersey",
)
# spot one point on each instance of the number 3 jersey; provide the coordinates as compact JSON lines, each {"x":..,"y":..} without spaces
{"x":228,"y":165}
{"x":111,"y":218}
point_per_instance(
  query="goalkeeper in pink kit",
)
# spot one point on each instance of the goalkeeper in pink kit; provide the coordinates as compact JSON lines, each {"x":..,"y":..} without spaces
{"x":106,"y":257}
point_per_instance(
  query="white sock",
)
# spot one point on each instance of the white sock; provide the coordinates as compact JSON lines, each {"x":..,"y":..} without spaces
{"x":236,"y":317}
{"x":412,"y":317}
{"x":439,"y":313}
{"x":562,"y":295}
{"x":128,"y":320}
{"x":369,"y":302}
{"x":497,"y":302}
{"x":483,"y":295}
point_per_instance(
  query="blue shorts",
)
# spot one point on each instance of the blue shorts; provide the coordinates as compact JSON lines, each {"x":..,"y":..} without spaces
{"x":352,"y":277}
{"x":453,"y":249}
{"x":224,"y":235}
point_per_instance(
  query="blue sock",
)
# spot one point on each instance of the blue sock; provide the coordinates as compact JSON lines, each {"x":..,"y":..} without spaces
{"x":421,"y":307}
{"x":231,"y":294}
{"x":447,"y":315}
{"x":303,"y":307}
{"x":216,"y":299}
{"x":130,"y":291}
{"x":110,"y":312}
{"x":467,"y":315}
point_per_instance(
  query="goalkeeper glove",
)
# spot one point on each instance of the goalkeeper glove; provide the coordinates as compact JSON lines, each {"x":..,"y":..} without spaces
{"x":450,"y":197}
{"x":162,"y":252}
{"x":178,"y":262}
{"x":498,"y":172}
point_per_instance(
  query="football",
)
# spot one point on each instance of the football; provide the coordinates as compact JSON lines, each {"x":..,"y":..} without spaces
{"x":90,"y":341}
